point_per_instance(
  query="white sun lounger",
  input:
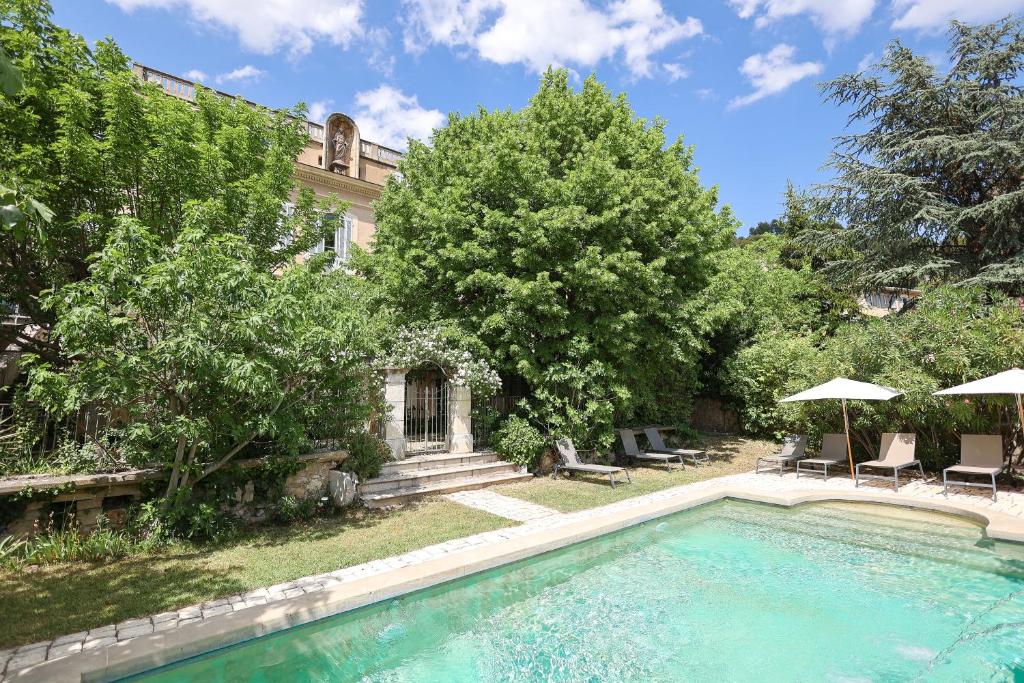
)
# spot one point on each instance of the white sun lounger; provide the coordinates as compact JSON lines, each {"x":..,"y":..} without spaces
{"x":833,"y":452}
{"x":897,"y":453}
{"x":571,"y":463}
{"x":793,"y":447}
{"x":979,"y":454}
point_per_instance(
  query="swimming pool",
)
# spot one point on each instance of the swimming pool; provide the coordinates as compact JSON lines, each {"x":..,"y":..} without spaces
{"x":728,"y":591}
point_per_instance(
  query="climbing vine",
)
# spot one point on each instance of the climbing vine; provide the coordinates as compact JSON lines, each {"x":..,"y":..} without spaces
{"x":431,"y":344}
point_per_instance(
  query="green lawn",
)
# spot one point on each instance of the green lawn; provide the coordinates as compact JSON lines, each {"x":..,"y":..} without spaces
{"x":729,"y":455}
{"x":54,"y":600}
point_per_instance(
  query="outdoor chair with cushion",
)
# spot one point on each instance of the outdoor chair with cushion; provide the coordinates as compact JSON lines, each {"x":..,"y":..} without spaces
{"x":633,"y":452}
{"x":570,"y":462}
{"x":793,"y":447}
{"x":897,"y":453}
{"x":658,"y":446}
{"x":833,"y":452}
{"x":979,"y":454}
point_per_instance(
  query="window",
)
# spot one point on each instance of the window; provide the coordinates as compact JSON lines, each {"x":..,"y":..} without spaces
{"x":285,"y":241}
{"x":338,"y":241}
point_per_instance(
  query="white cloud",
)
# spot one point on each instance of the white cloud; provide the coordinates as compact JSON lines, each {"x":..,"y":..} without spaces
{"x":675,"y":72}
{"x":268,"y":26}
{"x":539,"y":33}
{"x":319,"y":110}
{"x":834,"y":17}
{"x":243,"y":74}
{"x":772,"y":72}
{"x":195,"y":75}
{"x":705,"y":94}
{"x":389,"y":116}
{"x":379,"y":50}
{"x":866,"y":61}
{"x":933,"y":14}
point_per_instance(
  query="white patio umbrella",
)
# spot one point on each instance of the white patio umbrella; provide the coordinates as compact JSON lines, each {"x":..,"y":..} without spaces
{"x":845,"y":389}
{"x":1008,"y":382}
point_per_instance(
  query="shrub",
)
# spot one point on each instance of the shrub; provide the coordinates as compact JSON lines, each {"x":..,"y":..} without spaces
{"x":291,"y":509}
{"x":519,"y":442}
{"x":366,"y":454}
{"x":756,"y":377}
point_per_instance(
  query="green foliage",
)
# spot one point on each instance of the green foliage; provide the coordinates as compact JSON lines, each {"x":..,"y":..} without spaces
{"x":86,"y":138}
{"x":366,"y":454}
{"x":564,"y":238}
{"x":444,"y":347}
{"x":67,"y":544}
{"x":930,"y":183}
{"x":519,"y":442}
{"x":952,"y":335}
{"x":762,"y":301}
{"x":756,"y":377}
{"x":290,"y":509}
{"x":203,"y":350}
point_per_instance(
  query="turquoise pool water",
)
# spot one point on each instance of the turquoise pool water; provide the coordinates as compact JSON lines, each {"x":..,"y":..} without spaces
{"x":732,"y":591}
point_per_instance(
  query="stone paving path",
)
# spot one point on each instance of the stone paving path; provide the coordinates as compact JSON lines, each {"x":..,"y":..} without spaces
{"x":27,"y":655}
{"x":503,"y":506}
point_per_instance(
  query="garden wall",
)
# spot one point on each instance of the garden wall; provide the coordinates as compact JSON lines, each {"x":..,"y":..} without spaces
{"x":30,"y":504}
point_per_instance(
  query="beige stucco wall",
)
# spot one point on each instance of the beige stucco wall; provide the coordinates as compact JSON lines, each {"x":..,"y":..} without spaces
{"x":358,"y":194}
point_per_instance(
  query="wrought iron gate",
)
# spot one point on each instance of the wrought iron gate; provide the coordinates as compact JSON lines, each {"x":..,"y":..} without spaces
{"x":426,"y":412}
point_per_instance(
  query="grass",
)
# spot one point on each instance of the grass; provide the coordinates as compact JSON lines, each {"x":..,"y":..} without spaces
{"x":53,"y":600}
{"x":729,"y":455}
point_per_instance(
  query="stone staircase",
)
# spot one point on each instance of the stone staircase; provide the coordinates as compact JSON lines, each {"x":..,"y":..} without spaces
{"x":404,"y":481}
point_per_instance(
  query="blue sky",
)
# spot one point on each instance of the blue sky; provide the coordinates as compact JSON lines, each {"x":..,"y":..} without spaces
{"x":736,"y":78}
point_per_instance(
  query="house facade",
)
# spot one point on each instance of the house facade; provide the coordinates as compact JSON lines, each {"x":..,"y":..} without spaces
{"x":336,"y":160}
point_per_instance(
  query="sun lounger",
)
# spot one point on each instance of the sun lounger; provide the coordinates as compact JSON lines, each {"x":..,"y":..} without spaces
{"x":793,"y":447}
{"x":633,"y":452}
{"x":833,"y":452}
{"x":571,"y":463}
{"x":658,"y":446}
{"x":979,"y":454}
{"x":897,"y":453}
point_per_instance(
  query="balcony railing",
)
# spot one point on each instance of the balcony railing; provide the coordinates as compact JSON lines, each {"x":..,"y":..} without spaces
{"x":380,"y":152}
{"x":186,"y":90}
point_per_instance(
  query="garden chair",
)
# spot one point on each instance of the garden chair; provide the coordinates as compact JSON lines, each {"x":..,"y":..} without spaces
{"x":570,"y":462}
{"x":979,"y":454}
{"x":658,"y":446}
{"x":633,"y":452}
{"x":793,"y":447}
{"x":897,"y":453}
{"x":833,"y":452}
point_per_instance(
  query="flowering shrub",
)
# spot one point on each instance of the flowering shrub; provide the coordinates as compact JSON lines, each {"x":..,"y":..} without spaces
{"x":431,"y":344}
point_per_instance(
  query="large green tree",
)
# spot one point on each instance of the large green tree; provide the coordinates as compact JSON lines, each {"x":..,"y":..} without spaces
{"x":87,"y":139}
{"x":565,"y":237}
{"x":197,"y":349}
{"x":930,"y":182}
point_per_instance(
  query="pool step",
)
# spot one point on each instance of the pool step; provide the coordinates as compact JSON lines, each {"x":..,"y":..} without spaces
{"x":411,"y":493}
{"x":413,"y":478}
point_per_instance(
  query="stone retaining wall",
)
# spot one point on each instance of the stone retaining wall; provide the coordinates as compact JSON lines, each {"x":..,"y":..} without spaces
{"x":87,"y":495}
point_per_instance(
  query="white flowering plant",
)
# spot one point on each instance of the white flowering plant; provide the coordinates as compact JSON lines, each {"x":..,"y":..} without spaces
{"x":417,"y":345}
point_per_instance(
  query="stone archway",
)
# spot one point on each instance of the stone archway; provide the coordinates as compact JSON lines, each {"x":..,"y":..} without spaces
{"x":458,"y":423}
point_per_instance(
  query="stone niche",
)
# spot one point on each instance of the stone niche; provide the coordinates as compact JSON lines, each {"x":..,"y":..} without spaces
{"x":341,"y":145}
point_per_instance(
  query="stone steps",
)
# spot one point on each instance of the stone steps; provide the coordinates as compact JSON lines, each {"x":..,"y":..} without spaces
{"x":409,"y":494}
{"x":412,"y":479}
{"x":437,"y":460}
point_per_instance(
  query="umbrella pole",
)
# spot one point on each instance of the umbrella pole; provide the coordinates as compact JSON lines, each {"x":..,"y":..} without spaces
{"x":849,"y":446}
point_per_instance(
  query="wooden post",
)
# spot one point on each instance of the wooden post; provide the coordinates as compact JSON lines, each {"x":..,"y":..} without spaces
{"x":849,"y":446}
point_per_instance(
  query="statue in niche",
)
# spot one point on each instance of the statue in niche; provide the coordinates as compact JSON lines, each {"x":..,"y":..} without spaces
{"x":340,"y":143}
